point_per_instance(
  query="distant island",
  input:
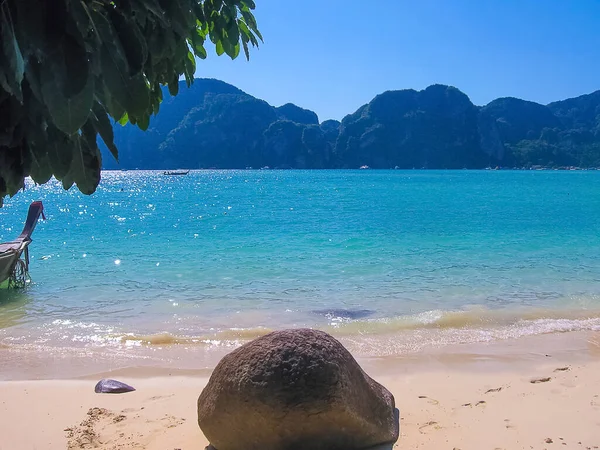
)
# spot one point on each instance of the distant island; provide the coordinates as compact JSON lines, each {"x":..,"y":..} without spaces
{"x":215,"y":125}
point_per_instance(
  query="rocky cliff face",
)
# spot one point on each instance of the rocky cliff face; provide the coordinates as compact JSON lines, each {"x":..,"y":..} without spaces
{"x":581,"y":112}
{"x":436,"y":128}
{"x":225,"y":131}
{"x":294,"y":113}
{"x":519,"y":119}
{"x":215,"y":125}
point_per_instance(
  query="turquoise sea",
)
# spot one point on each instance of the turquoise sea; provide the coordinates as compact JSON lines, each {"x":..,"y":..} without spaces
{"x":153,"y":266}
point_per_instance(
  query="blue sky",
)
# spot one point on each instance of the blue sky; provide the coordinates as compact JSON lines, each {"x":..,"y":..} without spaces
{"x":332,"y":56}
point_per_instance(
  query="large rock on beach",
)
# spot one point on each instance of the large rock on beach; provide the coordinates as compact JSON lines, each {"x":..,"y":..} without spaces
{"x":292,"y":390}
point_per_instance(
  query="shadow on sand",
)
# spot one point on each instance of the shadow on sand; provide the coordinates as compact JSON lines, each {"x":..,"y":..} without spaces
{"x":388,"y":446}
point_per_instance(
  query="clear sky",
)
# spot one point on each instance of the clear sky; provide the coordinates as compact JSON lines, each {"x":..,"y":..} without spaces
{"x":332,"y":56}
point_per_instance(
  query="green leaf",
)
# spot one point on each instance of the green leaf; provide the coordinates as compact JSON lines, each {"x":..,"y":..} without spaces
{"x":67,"y":181}
{"x":144,"y":122}
{"x":103,"y":30}
{"x":181,"y":21}
{"x":232,"y":50}
{"x":190,"y":64}
{"x":197,"y":41}
{"x":132,"y":42}
{"x":40,"y":170}
{"x":247,"y":34}
{"x":219,"y":48}
{"x":86,"y":163}
{"x":111,"y":104}
{"x":233,"y":33}
{"x":157,"y":97}
{"x":131,"y":92}
{"x":60,"y":152}
{"x":71,"y":67}
{"x":174,"y":86}
{"x":81,"y":18}
{"x":154,"y":7}
{"x":11,"y":58}
{"x":104,"y":128}
{"x":123,"y":120}
{"x":30,"y":26}
{"x":190,"y":68}
{"x":11,"y":170}
{"x":251,"y":22}
{"x":246,"y":51}
{"x":244,"y":29}
{"x":253,"y":40}
{"x":198,"y":11}
{"x":68,"y":114}
{"x":32,"y":77}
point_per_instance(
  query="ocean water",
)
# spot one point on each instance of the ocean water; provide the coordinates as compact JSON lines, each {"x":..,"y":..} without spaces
{"x":389,"y":261}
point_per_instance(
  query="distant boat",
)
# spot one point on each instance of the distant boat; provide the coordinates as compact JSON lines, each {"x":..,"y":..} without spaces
{"x":364,"y":167}
{"x":176,"y":172}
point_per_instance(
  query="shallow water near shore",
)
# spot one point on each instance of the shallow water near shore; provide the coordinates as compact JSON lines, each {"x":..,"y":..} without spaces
{"x":215,"y":258}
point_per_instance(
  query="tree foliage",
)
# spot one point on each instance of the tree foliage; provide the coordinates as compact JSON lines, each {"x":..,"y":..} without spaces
{"x":68,"y":66}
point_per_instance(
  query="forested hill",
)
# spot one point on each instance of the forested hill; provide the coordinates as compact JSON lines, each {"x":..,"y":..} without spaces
{"x":215,"y":125}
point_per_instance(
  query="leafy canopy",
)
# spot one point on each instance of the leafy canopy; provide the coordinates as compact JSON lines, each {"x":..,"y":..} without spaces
{"x":67,"y":66}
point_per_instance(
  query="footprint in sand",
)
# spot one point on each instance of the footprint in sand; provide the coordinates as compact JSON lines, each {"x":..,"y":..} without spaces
{"x":498,"y":389}
{"x":106,"y":429}
{"x":431,"y":401}
{"x":428,"y":426}
{"x":479,"y":403}
{"x":87,"y":433}
{"x":129,"y":410}
{"x":172,"y":421}
{"x":540,"y":380}
{"x":508,"y":425}
{"x":159,"y":397}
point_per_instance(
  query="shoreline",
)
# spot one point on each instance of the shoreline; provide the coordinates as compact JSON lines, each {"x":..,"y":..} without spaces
{"x":72,"y":363}
{"x":467,"y":397}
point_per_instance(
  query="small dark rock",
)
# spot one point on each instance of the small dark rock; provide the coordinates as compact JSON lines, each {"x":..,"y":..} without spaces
{"x":107,"y":386}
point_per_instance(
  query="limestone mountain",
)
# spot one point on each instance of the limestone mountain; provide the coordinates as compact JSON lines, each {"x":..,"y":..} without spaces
{"x":215,"y":125}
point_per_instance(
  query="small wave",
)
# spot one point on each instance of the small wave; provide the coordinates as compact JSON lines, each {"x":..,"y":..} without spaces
{"x":230,"y":336}
{"x":373,"y":337}
{"x":159,"y":339}
{"x":344,"y":314}
{"x":449,"y":326}
{"x":475,"y":318}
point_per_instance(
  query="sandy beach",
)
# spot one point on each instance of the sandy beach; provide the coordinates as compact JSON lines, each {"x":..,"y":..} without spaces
{"x":507,"y":395}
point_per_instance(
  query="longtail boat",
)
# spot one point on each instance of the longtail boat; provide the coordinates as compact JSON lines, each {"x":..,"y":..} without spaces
{"x":14,"y":255}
